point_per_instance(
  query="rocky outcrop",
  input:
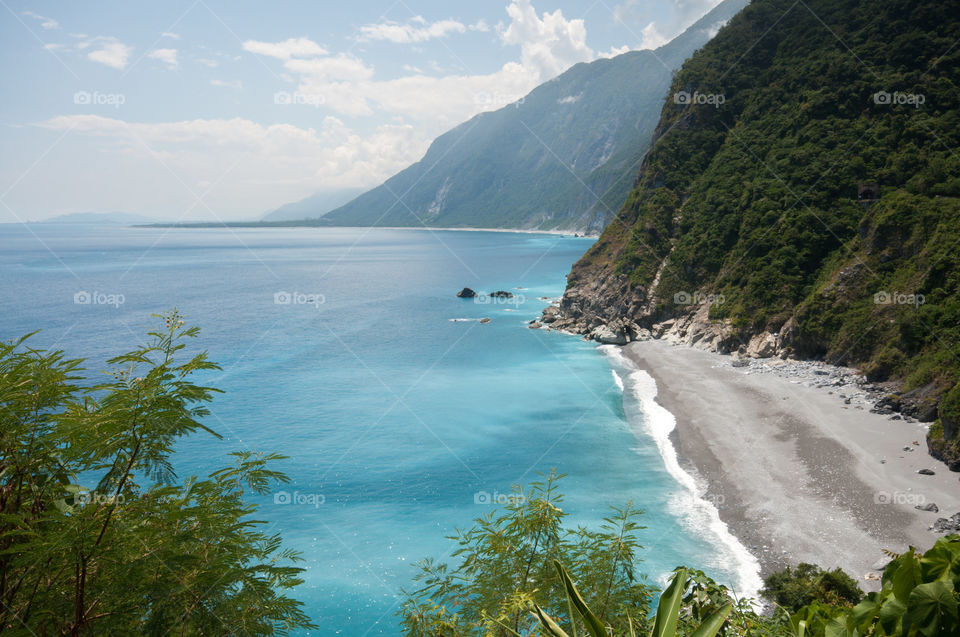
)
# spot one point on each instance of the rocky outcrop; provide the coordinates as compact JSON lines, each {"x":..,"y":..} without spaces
{"x":466,"y":293}
{"x":501,"y":294}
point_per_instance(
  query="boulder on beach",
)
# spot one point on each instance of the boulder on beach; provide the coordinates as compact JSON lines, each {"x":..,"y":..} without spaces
{"x":926,"y":472}
{"x":605,"y":334}
{"x":466,"y":293}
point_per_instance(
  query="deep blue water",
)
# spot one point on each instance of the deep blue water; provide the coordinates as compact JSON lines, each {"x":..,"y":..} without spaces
{"x":393,"y":415}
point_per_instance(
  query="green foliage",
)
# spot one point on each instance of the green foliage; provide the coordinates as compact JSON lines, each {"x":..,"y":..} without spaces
{"x":919,"y":597}
{"x":97,"y":537}
{"x":792,"y":588}
{"x":506,"y":562}
{"x":756,"y":198}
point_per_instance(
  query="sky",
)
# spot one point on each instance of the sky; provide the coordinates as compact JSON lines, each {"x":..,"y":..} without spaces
{"x":223,"y":110}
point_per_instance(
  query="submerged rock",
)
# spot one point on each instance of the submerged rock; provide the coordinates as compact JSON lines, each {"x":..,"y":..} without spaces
{"x":466,"y":293}
{"x":485,"y":320}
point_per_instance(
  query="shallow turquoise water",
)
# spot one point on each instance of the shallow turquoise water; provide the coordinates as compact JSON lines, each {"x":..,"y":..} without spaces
{"x":396,"y":418}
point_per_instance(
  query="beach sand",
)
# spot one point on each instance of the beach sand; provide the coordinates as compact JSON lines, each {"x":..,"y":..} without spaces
{"x":796,"y":473}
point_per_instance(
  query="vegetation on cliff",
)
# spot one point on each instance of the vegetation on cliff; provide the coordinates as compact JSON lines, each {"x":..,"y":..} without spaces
{"x":806,"y":173}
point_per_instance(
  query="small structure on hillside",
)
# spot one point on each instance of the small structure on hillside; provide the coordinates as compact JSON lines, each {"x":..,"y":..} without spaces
{"x":868,"y":192}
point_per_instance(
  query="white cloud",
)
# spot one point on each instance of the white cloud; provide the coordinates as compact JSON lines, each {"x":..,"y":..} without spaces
{"x":416,"y":30}
{"x":167,"y":56}
{"x":294,"y":47}
{"x":234,"y":84}
{"x":715,"y":27}
{"x":168,"y":34}
{"x":114,"y":54}
{"x":651,"y":37}
{"x":45,"y":22}
{"x":570,"y":99}
{"x":615,"y":51}
{"x":480,"y":25}
{"x":548,"y":45}
{"x":265,"y":165}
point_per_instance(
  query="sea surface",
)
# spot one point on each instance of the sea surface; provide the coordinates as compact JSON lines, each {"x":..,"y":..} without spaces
{"x":404,"y":417}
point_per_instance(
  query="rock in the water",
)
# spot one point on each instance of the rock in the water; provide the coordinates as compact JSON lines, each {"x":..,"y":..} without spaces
{"x":930,"y":506}
{"x":485,"y":320}
{"x":926,"y":472}
{"x":535,"y":325}
{"x":501,"y":294}
{"x":466,"y":293}
{"x":550,"y":314}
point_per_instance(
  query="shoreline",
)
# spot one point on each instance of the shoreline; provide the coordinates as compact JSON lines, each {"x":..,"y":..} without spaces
{"x":573,"y":234}
{"x":796,"y":473}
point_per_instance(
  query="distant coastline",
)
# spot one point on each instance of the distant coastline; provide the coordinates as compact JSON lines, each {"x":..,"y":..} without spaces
{"x":311,"y":223}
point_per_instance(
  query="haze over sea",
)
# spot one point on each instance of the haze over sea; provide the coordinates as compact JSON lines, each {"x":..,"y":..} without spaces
{"x":400,"y":423}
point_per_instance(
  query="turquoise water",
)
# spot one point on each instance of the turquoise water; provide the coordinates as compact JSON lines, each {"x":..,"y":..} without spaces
{"x":396,"y":419}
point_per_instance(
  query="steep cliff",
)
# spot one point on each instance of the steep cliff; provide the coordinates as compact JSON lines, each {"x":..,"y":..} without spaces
{"x":800,"y":199}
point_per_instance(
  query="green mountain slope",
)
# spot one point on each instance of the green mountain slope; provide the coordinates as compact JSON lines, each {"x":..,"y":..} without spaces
{"x":755,"y":200}
{"x":564,"y":157}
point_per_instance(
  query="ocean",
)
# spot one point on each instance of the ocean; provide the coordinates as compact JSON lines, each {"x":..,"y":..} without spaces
{"x":403,"y":416}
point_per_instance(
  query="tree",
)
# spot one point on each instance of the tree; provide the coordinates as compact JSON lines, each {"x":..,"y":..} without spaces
{"x":792,"y":589}
{"x":97,"y":536}
{"x":506,"y":562}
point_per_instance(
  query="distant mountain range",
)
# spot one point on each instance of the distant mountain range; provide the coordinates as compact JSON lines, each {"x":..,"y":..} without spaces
{"x":563,"y":157}
{"x":117,"y":218}
{"x":314,"y":206}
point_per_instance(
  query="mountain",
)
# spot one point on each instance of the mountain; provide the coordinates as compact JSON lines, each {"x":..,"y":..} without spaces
{"x":314,"y":206}
{"x":118,"y":218}
{"x":804,"y":201}
{"x":563,"y":157}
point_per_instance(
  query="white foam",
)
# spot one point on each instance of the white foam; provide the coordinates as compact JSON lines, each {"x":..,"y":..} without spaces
{"x":617,"y":379}
{"x":690,"y":504}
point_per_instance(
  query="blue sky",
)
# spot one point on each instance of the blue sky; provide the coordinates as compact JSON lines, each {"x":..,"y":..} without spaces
{"x":203,"y":109}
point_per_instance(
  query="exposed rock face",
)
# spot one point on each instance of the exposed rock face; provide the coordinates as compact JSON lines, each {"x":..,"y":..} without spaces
{"x":466,"y":293}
